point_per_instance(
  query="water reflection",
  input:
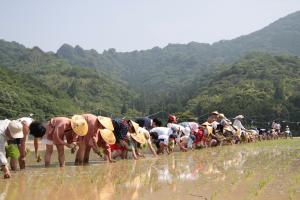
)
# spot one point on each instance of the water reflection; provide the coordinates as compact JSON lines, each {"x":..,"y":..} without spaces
{"x":177,"y":173}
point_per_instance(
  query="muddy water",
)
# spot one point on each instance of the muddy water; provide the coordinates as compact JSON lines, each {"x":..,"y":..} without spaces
{"x":265,"y":170}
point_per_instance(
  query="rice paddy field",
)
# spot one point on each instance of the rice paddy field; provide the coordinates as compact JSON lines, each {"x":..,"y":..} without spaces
{"x":262,"y":170}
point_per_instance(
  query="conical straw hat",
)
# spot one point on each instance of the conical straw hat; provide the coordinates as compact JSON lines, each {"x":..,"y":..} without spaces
{"x":139,"y":137}
{"x":106,"y":122}
{"x":135,"y":126}
{"x":108,"y":136}
{"x":205,"y":124}
{"x":239,"y":117}
{"x":214,"y":113}
{"x":221,"y":115}
{"x":209,"y":130}
{"x":79,"y":125}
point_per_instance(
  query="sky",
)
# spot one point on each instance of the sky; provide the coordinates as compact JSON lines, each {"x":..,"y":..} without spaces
{"x":128,"y":25}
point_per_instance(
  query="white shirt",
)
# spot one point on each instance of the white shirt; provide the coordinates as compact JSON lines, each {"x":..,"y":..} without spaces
{"x":238,"y":124}
{"x":162,"y":132}
{"x":273,"y":125}
{"x":179,"y":128}
{"x":27,"y":120}
{"x":215,"y":124}
{"x":174,"y":127}
{"x":3,"y":126}
{"x":277,"y":126}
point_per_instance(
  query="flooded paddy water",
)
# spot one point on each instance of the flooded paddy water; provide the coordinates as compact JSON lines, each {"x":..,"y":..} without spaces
{"x":263,"y":170}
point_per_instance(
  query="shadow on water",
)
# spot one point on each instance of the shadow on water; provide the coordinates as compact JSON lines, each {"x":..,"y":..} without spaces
{"x":234,"y":172}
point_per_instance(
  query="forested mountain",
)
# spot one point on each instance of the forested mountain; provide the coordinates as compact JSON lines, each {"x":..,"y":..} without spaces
{"x":189,"y":79}
{"x":23,"y":94}
{"x":261,"y":86}
{"x":84,"y":89}
{"x":162,"y":72}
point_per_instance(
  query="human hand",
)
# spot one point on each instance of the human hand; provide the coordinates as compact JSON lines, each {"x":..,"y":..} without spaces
{"x":98,"y":152}
{"x":27,"y":151}
{"x":73,"y":149}
{"x":72,"y":145}
{"x":38,"y":158}
{"x":7,"y":175}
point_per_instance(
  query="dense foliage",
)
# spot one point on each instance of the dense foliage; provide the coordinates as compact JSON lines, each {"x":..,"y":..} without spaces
{"x":86,"y":89}
{"x":159,"y":74}
{"x":190,"y":79}
{"x":260,"y":86}
{"x":22,"y":94}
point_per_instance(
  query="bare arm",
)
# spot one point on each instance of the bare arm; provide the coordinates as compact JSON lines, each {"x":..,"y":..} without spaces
{"x":94,"y":145}
{"x":134,"y":154}
{"x":36,"y":147}
{"x":151,"y":147}
{"x":22,"y":146}
{"x":22,"y":149}
{"x":57,"y":131}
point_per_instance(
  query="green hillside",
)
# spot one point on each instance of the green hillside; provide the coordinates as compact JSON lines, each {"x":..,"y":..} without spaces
{"x":190,"y":79}
{"x":89,"y":89}
{"x":22,"y":94}
{"x":260,"y":86}
{"x":162,"y":72}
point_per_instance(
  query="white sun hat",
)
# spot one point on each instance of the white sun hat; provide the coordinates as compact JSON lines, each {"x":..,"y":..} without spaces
{"x":16,"y":129}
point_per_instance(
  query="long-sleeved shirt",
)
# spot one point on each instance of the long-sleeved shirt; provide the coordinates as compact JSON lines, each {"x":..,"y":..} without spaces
{"x":162,"y":132}
{"x":144,"y":122}
{"x":120,"y":128}
{"x":3,"y":139}
{"x":238,"y":124}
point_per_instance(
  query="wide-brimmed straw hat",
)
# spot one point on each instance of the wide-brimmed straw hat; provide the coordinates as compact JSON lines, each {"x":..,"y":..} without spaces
{"x":227,"y":128}
{"x":139,"y":137}
{"x":135,"y":126}
{"x":221,"y":115}
{"x":79,"y":125}
{"x":145,"y":132}
{"x":235,"y":127}
{"x":108,"y":136}
{"x":214,"y":113}
{"x":239,"y":117}
{"x":209,"y":130}
{"x":106,"y":122}
{"x":205,"y":124}
{"x":16,"y":129}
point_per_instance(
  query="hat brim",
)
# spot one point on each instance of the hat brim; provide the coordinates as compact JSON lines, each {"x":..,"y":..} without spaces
{"x":209,"y":130}
{"x":205,"y":124}
{"x":239,"y":117}
{"x":108,"y":136}
{"x":135,"y":126}
{"x":215,"y":113}
{"x":138,"y":137}
{"x":106,"y":122}
{"x":145,"y":133}
{"x":18,"y":135}
{"x":81,"y":130}
{"x":227,"y":129}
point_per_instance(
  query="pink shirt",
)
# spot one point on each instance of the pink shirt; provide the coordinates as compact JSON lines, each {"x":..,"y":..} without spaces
{"x":60,"y":128}
{"x":93,"y":126}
